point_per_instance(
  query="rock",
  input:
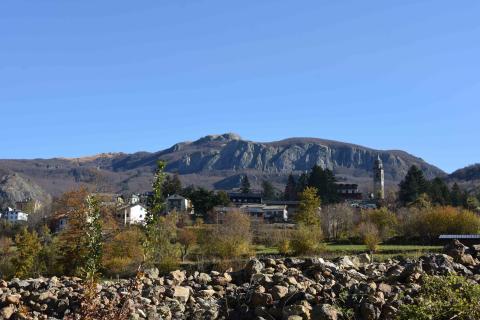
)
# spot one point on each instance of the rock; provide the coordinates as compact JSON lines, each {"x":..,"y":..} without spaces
{"x":13,"y":299}
{"x":369,"y":311}
{"x":253,"y":266}
{"x":152,"y":273}
{"x":324,"y":312}
{"x":385,"y":288}
{"x":455,"y":249}
{"x":181,"y":293}
{"x":298,"y":310}
{"x":364,"y":258}
{"x":468,"y":260}
{"x":261,"y":299}
{"x":204,"y":278}
{"x":7,"y":312}
{"x":177,"y":276}
{"x":278,"y":292}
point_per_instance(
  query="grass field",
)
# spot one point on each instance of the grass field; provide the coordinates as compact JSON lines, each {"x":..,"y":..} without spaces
{"x":383,"y":252}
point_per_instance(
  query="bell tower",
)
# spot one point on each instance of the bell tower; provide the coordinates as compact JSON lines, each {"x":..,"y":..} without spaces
{"x":378,"y":179}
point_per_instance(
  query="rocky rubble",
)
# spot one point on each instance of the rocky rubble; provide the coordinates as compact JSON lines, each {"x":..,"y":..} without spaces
{"x":290,"y":288}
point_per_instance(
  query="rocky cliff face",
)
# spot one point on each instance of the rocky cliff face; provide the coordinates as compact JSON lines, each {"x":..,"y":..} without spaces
{"x":218,"y":161}
{"x":14,"y":187}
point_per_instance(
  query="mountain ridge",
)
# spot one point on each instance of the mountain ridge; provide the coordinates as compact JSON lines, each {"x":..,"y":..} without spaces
{"x":217,"y":161}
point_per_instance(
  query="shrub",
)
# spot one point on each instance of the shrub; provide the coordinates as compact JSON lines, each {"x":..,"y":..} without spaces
{"x":307,"y":239}
{"x":230,"y":239}
{"x":451,"y":297}
{"x":369,"y":234}
{"x":384,"y":221}
{"x":124,"y":253}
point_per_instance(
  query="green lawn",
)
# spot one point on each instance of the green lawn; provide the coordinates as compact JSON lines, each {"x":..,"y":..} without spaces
{"x":350,"y":249}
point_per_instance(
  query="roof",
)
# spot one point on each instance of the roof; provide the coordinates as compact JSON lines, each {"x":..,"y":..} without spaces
{"x":459,"y":236}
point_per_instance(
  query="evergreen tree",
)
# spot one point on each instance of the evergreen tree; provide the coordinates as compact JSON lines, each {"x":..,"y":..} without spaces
{"x":245,"y":184}
{"x":222,"y":199}
{"x":412,"y":186}
{"x":28,"y":246}
{"x":308,"y":212}
{"x":439,"y":192}
{"x":302,"y":183}
{"x":472,"y":203}
{"x":290,"y":189}
{"x":457,"y":196}
{"x":324,"y":181}
{"x":172,"y":185}
{"x":268,"y":192}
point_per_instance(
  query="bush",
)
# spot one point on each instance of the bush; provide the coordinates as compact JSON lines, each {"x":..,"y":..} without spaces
{"x":370,"y":236}
{"x":429,"y":223}
{"x":124,"y":253}
{"x":230,"y":239}
{"x":384,"y":221}
{"x":451,"y":297}
{"x":307,"y":240}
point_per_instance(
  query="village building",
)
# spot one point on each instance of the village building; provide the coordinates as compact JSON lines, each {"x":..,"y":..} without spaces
{"x":239,"y":198}
{"x":349,"y":191}
{"x":131,"y":214}
{"x":179,"y":204}
{"x":14,"y":216}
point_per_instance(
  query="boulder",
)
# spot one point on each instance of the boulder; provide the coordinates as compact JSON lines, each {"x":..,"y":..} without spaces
{"x":324,"y":312}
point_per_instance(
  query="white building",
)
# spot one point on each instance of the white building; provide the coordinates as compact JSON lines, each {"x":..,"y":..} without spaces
{"x":132,"y":214}
{"x":14,"y":216}
{"x":275,"y":213}
{"x":179,"y":204}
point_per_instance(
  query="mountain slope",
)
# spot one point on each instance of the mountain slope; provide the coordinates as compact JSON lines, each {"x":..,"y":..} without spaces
{"x":468,"y":177}
{"x":219,"y":161}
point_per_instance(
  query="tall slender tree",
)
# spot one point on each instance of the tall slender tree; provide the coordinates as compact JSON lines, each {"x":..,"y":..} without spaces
{"x":268,"y":191}
{"x":290,"y":193}
{"x":245,"y":185}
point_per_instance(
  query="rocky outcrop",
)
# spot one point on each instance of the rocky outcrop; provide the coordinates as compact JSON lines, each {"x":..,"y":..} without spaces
{"x":290,"y":288}
{"x":218,"y":161}
{"x":15,"y":187}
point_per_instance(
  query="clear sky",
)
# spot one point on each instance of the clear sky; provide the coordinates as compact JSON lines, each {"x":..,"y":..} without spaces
{"x":83,"y":77}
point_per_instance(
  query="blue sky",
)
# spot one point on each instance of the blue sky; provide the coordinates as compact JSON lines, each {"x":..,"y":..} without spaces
{"x":84,"y":77}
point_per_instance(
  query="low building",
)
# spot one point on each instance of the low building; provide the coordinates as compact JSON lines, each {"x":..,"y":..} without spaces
{"x":275,"y":213}
{"x":263,"y":211}
{"x":239,"y":198}
{"x":131,"y":214}
{"x":349,"y":191}
{"x":14,"y":216}
{"x":180,"y":204}
{"x":59,"y":223}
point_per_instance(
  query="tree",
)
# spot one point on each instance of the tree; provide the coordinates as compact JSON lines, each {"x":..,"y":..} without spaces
{"x":302,"y":183}
{"x":245,"y":184}
{"x":268,"y":192}
{"x":26,"y":257}
{"x":187,"y":238}
{"x":172,"y":185}
{"x":72,"y":243}
{"x":439,"y":192}
{"x":308,"y":235}
{"x":338,"y":221}
{"x":384,"y":221}
{"x":308,"y":213}
{"x":325,"y":183}
{"x":457,"y":196}
{"x":94,"y":240}
{"x":290,"y":193}
{"x":412,"y":186}
{"x":157,"y":201}
{"x":472,"y":203}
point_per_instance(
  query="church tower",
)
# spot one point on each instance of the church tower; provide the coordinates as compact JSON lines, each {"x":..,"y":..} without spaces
{"x":378,"y":179}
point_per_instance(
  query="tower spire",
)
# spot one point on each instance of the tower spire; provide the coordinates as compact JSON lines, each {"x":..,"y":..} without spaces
{"x":378,"y":179}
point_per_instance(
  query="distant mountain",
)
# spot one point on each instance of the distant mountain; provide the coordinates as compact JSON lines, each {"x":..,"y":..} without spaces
{"x":468,"y":177}
{"x":218,"y":161}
